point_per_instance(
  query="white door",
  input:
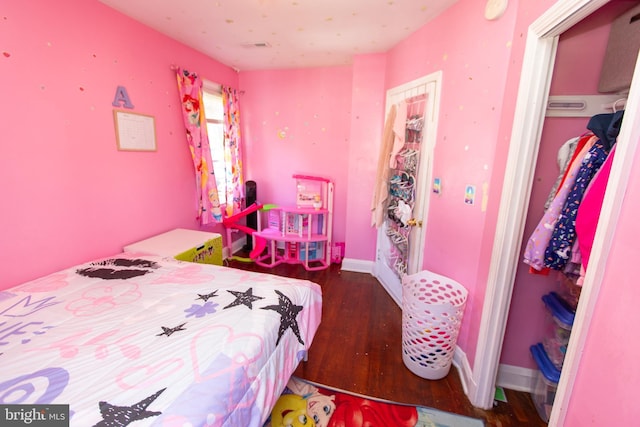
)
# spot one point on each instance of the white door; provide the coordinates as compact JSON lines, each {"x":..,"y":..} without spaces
{"x":400,"y":242}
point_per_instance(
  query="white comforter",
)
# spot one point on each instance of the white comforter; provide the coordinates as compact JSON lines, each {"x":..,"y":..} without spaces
{"x":143,"y":340}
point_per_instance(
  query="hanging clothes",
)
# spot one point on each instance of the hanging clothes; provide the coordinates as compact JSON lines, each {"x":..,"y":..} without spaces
{"x":606,"y":127}
{"x":399,"y":131}
{"x":564,"y":158}
{"x":584,"y":138}
{"x":381,"y":190}
{"x":572,"y":268}
{"x":589,"y":210}
{"x":588,"y":217}
{"x":558,"y":252}
{"x":540,"y":238}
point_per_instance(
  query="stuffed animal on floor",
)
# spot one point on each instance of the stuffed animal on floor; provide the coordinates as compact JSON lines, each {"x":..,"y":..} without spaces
{"x":291,"y":411}
{"x":298,"y":395}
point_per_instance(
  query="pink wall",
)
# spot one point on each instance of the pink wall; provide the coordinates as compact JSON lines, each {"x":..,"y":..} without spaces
{"x":297,"y":122}
{"x":474,"y":75}
{"x":68,"y":194}
{"x":367,"y":105}
{"x":605,"y":389}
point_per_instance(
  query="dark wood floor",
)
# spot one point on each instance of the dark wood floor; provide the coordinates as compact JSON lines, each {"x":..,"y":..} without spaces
{"x":358,"y":348}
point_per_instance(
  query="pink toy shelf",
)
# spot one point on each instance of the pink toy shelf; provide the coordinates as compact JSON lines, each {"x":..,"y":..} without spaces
{"x":300,"y":234}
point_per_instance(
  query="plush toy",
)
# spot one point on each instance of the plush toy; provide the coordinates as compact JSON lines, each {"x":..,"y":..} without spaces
{"x":319,"y":407}
{"x":291,"y":411}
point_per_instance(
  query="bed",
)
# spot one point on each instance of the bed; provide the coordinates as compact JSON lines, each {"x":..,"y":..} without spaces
{"x":150,"y":341}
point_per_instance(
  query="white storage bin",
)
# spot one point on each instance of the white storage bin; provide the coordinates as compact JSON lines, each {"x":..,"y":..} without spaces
{"x":432,"y":308}
{"x":184,"y":245}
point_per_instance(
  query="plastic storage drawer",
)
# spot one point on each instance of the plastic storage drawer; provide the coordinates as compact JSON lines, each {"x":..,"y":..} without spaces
{"x":559,"y":322}
{"x":546,"y":382}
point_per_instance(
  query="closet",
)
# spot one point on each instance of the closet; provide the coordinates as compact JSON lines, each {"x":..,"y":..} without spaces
{"x":578,"y":71}
{"x":561,"y":243}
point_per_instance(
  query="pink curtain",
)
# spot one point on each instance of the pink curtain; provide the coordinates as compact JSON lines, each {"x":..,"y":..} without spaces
{"x":190,"y":88}
{"x":233,"y":155}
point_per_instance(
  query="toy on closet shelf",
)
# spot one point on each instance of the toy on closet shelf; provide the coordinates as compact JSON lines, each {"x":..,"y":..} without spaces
{"x":300,"y":234}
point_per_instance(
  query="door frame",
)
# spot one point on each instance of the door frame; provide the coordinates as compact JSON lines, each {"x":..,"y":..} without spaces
{"x":533,"y":92}
{"x":433,"y":82}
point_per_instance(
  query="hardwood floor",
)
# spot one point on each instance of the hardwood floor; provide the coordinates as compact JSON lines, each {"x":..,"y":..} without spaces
{"x":358,"y":348}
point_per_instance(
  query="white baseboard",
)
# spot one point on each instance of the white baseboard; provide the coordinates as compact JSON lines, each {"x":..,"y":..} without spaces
{"x":357,"y":265}
{"x":509,"y":377}
{"x":461,"y":363}
{"x":516,"y":378}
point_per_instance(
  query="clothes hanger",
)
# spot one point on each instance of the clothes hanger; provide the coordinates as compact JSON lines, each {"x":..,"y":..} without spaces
{"x":615,"y":104}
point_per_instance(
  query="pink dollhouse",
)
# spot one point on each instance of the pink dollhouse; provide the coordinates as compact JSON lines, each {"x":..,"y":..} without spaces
{"x":300,"y":234}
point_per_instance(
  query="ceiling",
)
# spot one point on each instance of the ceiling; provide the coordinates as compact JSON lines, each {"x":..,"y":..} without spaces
{"x":270,"y":34}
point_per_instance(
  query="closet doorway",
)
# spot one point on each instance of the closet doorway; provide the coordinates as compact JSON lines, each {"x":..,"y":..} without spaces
{"x":400,"y":241}
{"x":533,"y":93}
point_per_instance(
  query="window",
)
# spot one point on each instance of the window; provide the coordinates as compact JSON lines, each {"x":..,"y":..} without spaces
{"x":214,"y":114}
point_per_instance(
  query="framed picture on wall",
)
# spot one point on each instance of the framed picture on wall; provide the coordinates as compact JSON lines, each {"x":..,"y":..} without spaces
{"x":134,"y":131}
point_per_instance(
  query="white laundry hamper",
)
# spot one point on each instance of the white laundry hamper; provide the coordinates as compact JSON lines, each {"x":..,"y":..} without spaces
{"x":432,"y":308}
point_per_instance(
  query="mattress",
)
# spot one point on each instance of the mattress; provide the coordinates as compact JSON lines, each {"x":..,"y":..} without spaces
{"x":152,"y":341}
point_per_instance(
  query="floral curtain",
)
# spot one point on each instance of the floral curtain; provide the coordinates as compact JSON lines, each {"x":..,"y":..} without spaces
{"x":190,"y":88}
{"x":233,"y":157}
